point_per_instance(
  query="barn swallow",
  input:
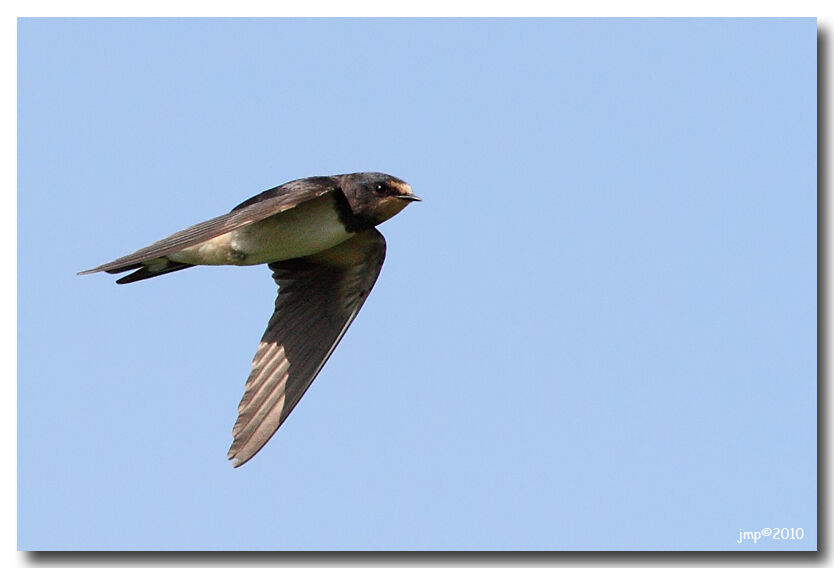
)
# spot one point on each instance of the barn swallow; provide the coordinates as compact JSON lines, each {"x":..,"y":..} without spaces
{"x":318,"y":237}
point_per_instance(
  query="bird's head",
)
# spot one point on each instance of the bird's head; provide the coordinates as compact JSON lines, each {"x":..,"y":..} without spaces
{"x":376,"y":196}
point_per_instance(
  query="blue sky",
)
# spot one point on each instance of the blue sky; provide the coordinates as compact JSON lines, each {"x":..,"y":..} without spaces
{"x":597,"y":331}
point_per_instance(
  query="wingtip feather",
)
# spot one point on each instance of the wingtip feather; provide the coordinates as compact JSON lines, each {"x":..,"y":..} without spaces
{"x":236,"y":460}
{"x":88,"y":271}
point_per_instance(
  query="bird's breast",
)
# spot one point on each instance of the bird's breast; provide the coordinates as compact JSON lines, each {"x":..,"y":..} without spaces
{"x":306,"y":229}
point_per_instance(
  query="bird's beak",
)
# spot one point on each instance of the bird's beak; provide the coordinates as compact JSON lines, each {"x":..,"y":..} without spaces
{"x":409,"y":197}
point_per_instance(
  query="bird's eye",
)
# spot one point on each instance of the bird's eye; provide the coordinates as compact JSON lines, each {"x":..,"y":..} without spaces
{"x":380,"y":189}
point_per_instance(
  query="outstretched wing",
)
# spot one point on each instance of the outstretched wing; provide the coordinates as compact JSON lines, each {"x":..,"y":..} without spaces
{"x":266,"y":204}
{"x":318,"y":299}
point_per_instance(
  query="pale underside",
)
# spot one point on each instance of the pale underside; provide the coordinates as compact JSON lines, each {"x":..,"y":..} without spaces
{"x":306,"y":229}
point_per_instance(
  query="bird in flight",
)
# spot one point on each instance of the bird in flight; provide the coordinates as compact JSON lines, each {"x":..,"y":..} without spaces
{"x":318,"y":237}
